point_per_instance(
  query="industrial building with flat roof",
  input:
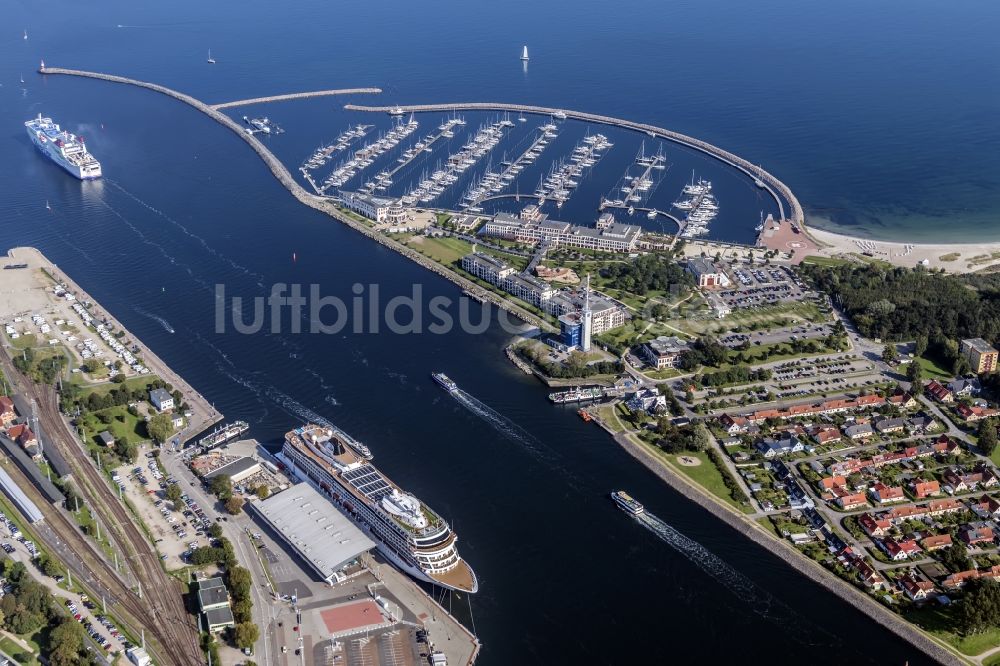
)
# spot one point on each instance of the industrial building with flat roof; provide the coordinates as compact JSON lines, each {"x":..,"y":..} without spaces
{"x":314,"y":528}
{"x":20,"y":500}
{"x":237,"y":470}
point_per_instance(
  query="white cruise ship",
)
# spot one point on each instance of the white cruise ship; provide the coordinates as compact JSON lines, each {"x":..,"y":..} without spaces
{"x":64,"y":148}
{"x":407,"y":532}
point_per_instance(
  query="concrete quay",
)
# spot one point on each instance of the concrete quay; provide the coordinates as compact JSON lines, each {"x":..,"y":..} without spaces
{"x":322,"y":204}
{"x":204,"y":414}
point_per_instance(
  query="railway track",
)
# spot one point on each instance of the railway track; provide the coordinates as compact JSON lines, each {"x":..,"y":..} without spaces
{"x":160,"y":610}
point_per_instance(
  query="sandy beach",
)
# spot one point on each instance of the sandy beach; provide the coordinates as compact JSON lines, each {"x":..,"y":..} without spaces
{"x":955,"y":258}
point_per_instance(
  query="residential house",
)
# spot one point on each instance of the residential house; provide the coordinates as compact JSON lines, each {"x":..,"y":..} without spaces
{"x":939,"y":392}
{"x":23,"y":435}
{"x":900,"y":550}
{"x":785,"y":444}
{"x":976,"y":534}
{"x":734,"y":425}
{"x":922,"y":489}
{"x":873,"y":526}
{"x":958,"y":580}
{"x":932,"y":543}
{"x":7,"y":411}
{"x":883,"y":494}
{"x":903,"y":400}
{"x":868,"y":575}
{"x":852,"y":501}
{"x":986,"y":508}
{"x":831,"y":482}
{"x":920,"y":424}
{"x":916,"y":590}
{"x":859,"y":431}
{"x":825,"y":435}
{"x":975,"y":412}
{"x":890,"y":425}
{"x":964,"y":388}
{"x":161,"y":399}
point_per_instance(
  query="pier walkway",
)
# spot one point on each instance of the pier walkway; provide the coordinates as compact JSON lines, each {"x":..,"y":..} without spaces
{"x":301,"y":95}
{"x":778,"y":190}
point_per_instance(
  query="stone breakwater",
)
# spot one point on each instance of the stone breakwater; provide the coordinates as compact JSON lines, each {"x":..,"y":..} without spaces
{"x":807,"y":567}
{"x":321,"y":204}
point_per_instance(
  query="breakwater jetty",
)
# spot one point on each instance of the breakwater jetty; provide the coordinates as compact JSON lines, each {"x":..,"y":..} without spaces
{"x":323,"y":204}
{"x":782,"y":193}
{"x":300,"y":95}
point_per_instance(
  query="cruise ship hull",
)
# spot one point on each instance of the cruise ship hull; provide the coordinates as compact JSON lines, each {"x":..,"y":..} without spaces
{"x":388,"y":553}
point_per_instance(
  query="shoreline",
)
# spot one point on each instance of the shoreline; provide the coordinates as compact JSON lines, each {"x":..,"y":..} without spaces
{"x":802,"y":565}
{"x":951,"y":257}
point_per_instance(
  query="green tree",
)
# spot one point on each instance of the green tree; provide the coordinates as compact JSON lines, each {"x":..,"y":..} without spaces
{"x":215,"y":531}
{"x":221,"y":486}
{"x":915,"y":372}
{"x":956,"y":558}
{"x":234,"y":504}
{"x":987,"y":436}
{"x":173,"y":493}
{"x":160,"y":428}
{"x":246,"y":634}
{"x":980,"y":608}
{"x":262,"y":491}
{"x":242,"y":610}
{"x":66,"y":643}
{"x":920,"y":346}
{"x":889,"y":354}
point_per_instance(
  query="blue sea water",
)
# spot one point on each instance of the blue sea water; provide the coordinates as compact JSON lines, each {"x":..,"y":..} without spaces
{"x":880,"y":116}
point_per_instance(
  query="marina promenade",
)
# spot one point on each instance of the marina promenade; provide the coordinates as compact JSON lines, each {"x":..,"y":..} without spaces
{"x":300,"y":95}
{"x":782,"y":193}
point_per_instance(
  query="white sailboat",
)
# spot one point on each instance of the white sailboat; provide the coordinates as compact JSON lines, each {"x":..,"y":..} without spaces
{"x":524,"y":54}
{"x":25,"y":34}
{"x":211,"y":60}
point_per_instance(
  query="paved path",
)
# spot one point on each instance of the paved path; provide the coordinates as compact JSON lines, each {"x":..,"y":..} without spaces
{"x":301,"y":95}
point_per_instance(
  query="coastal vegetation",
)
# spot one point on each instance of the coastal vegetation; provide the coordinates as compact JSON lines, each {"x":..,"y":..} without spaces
{"x":903,"y":303}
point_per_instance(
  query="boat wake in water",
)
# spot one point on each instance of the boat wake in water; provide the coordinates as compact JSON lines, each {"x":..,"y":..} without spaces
{"x":160,"y":320}
{"x":760,"y":600}
{"x":504,"y":425}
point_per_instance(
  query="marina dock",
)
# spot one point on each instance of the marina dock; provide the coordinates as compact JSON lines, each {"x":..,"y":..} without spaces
{"x":782,"y":194}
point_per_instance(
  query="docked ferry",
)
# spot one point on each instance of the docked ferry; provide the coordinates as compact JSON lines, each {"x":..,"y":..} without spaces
{"x":64,"y":148}
{"x":445,"y":381}
{"x":626,"y":503}
{"x":406,"y":530}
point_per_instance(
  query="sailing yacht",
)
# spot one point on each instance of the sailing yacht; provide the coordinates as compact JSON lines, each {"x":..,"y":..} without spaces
{"x":524,"y":53}
{"x":211,"y":60}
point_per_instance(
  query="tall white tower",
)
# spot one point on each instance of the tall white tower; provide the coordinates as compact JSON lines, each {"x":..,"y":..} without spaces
{"x":588,"y":319}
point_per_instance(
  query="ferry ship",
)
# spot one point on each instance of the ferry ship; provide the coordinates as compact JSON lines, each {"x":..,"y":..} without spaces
{"x":64,"y":148}
{"x":626,"y":503}
{"x":407,"y":532}
{"x":445,"y":381}
{"x":223,"y":434}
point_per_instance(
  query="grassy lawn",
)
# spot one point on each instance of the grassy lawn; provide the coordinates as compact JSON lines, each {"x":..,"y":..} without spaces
{"x":142,"y":381}
{"x":442,"y":250}
{"x":824,"y":261}
{"x":25,"y":341}
{"x":12,"y":648}
{"x":706,"y":475}
{"x":607,"y":415}
{"x":932,"y":370}
{"x":123,"y":426}
{"x":992,"y":661}
{"x":935,"y":621}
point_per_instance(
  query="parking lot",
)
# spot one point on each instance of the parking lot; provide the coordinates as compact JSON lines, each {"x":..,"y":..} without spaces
{"x":175,"y":530}
{"x":778,"y":335}
{"x":763,"y":285}
{"x":103,"y":632}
